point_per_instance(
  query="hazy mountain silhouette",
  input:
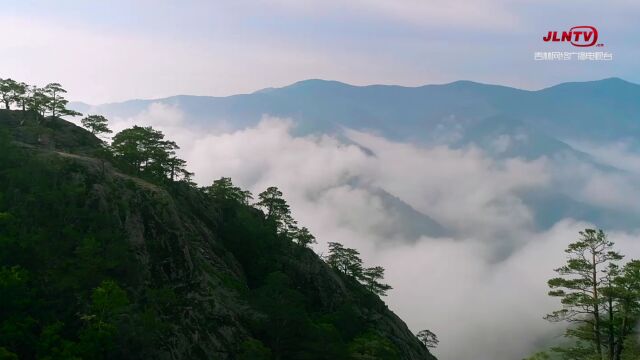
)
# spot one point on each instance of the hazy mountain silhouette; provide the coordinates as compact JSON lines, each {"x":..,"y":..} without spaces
{"x":600,"y":110}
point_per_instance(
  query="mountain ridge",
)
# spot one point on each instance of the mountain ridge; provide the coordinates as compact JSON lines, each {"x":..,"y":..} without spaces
{"x":300,"y":82}
{"x":600,"y":110}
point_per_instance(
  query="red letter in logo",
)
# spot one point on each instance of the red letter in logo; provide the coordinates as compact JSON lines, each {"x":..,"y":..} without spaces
{"x":588,"y":33}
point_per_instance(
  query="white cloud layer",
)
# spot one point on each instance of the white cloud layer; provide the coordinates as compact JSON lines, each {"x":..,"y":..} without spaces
{"x":482,"y":289}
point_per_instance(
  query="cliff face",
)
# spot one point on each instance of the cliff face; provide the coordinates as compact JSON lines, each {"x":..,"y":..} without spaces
{"x":117,"y":267}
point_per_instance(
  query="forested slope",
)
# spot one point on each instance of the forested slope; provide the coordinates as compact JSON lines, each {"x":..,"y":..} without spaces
{"x":96,"y":262}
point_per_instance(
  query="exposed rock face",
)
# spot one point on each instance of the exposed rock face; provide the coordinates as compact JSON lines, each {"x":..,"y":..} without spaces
{"x":176,"y":236}
{"x":180,"y":248}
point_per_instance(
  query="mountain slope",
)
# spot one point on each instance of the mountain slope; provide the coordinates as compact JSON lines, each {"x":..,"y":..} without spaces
{"x":100,"y":264}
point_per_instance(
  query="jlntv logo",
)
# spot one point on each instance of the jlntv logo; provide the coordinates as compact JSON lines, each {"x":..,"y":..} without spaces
{"x":580,"y":36}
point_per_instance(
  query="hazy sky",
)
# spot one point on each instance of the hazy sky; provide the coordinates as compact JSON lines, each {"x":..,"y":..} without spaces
{"x":115,"y":50}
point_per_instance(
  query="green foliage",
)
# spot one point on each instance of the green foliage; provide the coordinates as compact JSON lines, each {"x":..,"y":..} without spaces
{"x":254,"y":243}
{"x":539,"y":356}
{"x":223,"y":189}
{"x":53,"y":252}
{"x":348,"y":262}
{"x":20,"y":95}
{"x":303,"y":237}
{"x":97,"y":124}
{"x":56,"y":103}
{"x":371,"y":279}
{"x":7,"y":355}
{"x":108,"y":300}
{"x":631,"y":349}
{"x":286,"y":314}
{"x":371,"y":346}
{"x":345,"y":260}
{"x":16,"y":324}
{"x":600,"y":299}
{"x":7,"y":88}
{"x":109,"y":305}
{"x":144,"y":151}
{"x":579,"y":351}
{"x":53,"y":345}
{"x":253,"y":349}
{"x":289,"y":329}
{"x":40,"y":100}
{"x":37,"y":101}
{"x":348,"y":320}
{"x":15,"y":290}
{"x":579,"y":285}
{"x":276,"y":209}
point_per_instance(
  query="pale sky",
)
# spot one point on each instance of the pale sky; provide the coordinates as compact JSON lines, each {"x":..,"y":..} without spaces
{"x":117,"y":50}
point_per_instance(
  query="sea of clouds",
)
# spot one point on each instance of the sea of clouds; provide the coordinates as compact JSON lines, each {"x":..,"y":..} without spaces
{"x":482,"y":287}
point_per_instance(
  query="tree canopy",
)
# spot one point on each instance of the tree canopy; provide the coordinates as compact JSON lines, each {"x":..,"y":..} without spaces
{"x":276,"y":208}
{"x":599,"y":299}
{"x":371,"y":278}
{"x":144,"y":151}
{"x":345,"y":260}
{"x":303,"y":237}
{"x":348,"y":262}
{"x":223,"y":189}
{"x":97,"y":124}
{"x":46,"y":100}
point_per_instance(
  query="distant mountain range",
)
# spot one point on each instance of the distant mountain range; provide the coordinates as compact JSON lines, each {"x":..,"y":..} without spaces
{"x":504,"y":121}
{"x":599,"y":110}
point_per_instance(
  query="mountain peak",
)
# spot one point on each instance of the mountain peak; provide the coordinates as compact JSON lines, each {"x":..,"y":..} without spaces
{"x":308,"y":84}
{"x":606,"y":83}
{"x":464,"y":83}
{"x":614,"y":80}
{"x":311,"y":83}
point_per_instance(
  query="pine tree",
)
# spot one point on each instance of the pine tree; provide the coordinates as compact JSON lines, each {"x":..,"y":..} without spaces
{"x":7,"y":90}
{"x":428,"y":338}
{"x":580,"y":287}
{"x":345,"y":260}
{"x":97,"y":124}
{"x":276,"y":209}
{"x":371,"y":278}
{"x":627,"y":293}
{"x":303,"y":237}
{"x":223,"y":189}
{"x":144,"y":151}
